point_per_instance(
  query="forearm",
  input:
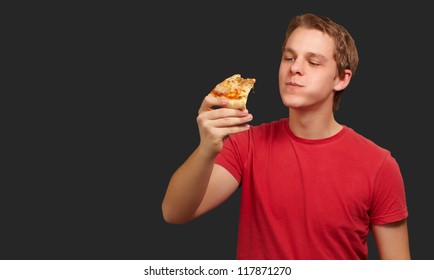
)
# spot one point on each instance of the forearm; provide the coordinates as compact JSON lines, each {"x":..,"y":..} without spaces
{"x":187,"y":187}
{"x":392,"y":240}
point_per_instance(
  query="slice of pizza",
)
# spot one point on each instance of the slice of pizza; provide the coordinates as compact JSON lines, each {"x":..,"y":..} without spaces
{"x":235,"y":89}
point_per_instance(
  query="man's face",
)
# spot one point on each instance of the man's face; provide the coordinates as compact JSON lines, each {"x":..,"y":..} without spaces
{"x":308,"y":72}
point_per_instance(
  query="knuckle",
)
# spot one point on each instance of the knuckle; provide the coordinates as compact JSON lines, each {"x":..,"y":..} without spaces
{"x":228,"y":122}
{"x":199,"y":118}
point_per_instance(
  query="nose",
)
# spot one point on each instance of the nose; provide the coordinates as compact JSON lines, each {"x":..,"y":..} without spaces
{"x":297,"y":66}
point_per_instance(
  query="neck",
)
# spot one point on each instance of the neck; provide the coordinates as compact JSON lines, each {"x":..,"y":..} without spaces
{"x":310,"y":125}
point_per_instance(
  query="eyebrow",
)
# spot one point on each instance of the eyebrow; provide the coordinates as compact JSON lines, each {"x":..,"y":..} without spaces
{"x":309,"y":54}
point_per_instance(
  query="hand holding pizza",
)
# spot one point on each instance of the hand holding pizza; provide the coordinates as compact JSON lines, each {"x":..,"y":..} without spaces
{"x":230,"y":97}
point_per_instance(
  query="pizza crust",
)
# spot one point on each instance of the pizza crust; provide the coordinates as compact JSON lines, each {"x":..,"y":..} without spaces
{"x":235,"y":89}
{"x":237,"y":104}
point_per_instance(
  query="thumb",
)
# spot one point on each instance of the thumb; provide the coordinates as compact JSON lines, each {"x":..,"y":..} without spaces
{"x":212,"y":102}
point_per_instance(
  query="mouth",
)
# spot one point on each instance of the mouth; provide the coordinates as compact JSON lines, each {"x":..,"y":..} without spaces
{"x":292,"y":84}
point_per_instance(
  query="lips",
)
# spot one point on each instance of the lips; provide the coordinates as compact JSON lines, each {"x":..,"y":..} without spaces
{"x":293,"y":84}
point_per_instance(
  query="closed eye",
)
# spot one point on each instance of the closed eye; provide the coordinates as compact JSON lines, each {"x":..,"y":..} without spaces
{"x":314,"y":63}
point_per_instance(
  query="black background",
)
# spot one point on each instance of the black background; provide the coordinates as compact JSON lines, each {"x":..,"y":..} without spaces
{"x":102,"y":108}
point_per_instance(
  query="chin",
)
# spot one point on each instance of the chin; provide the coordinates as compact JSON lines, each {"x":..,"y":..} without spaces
{"x":290,"y":102}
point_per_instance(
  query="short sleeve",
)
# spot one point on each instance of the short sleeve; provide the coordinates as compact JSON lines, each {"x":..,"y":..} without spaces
{"x":388,"y":202}
{"x":233,"y":155}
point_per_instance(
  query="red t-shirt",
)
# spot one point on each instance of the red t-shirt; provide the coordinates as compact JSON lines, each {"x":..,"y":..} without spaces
{"x":310,"y":199}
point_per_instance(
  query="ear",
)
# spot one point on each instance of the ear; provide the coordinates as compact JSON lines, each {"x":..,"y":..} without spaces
{"x":343,"y":81}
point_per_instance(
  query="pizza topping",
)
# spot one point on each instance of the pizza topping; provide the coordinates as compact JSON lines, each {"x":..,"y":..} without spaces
{"x":236,"y":89}
{"x":231,"y":95}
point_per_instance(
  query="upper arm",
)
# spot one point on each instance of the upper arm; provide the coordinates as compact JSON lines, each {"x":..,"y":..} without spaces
{"x":392,"y":240}
{"x":221,"y":186}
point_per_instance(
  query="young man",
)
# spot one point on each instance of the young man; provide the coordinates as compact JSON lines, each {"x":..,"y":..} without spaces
{"x":311,"y":188}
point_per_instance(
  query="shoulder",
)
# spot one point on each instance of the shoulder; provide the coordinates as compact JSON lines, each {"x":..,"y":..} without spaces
{"x":270,"y":128}
{"x":365,"y":145}
{"x":259,"y":134}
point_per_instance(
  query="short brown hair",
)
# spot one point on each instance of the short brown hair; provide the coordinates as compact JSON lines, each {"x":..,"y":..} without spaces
{"x":345,"y":54}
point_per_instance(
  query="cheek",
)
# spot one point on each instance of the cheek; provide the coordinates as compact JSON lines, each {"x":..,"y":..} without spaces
{"x":282,"y":72}
{"x":326,"y":83}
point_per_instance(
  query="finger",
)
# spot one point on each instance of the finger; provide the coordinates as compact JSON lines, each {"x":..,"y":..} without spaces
{"x":231,"y":121}
{"x":234,"y":129}
{"x":223,"y":118}
{"x":225,"y":113}
{"x":210,"y":102}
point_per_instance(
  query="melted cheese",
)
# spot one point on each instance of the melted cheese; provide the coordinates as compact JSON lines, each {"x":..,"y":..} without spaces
{"x":234,"y":87}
